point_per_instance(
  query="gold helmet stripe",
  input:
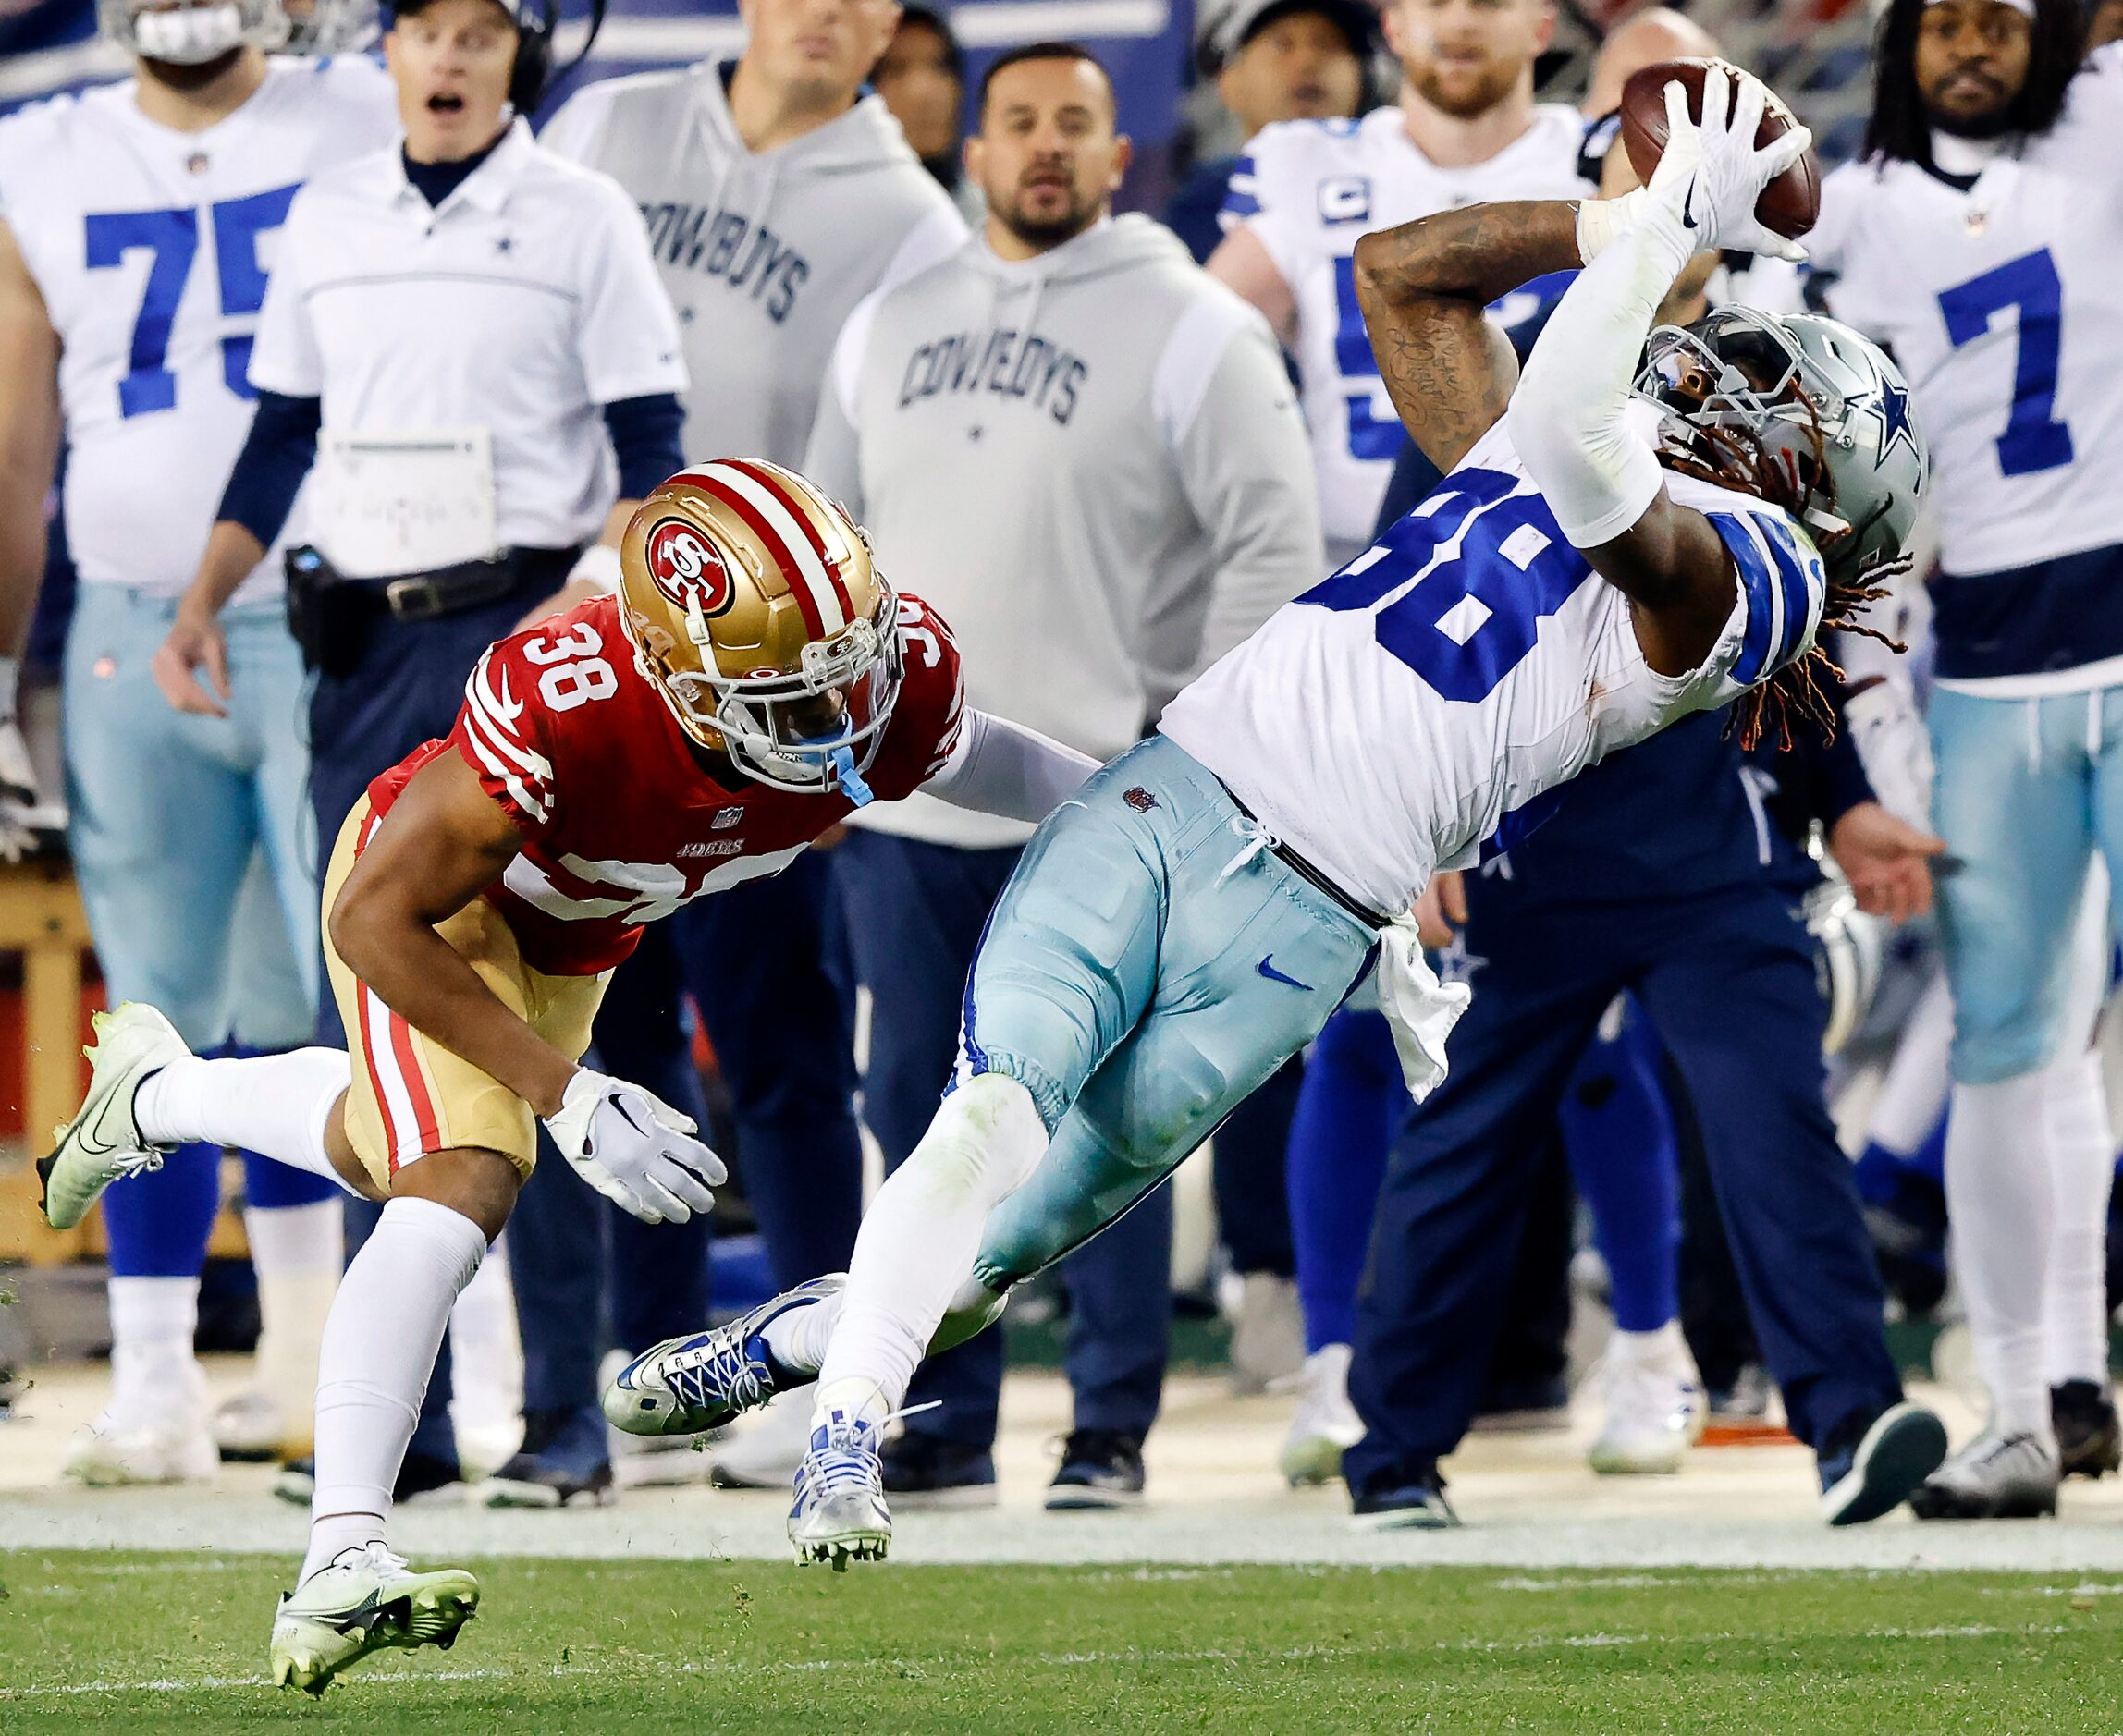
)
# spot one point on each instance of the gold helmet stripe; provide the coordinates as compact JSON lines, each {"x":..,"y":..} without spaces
{"x":822,"y":601}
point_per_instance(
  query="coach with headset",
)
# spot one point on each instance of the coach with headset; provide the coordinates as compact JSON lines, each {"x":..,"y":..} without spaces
{"x":466,"y":342}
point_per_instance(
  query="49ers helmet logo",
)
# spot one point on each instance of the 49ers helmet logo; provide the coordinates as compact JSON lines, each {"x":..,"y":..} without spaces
{"x":684,"y":566}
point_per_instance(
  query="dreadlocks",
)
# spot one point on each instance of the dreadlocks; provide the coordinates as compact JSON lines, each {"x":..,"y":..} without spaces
{"x":1900,"y":125}
{"x":1731,"y":459}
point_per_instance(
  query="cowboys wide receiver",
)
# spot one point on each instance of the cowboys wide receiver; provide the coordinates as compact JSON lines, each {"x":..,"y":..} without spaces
{"x":138,"y":221}
{"x":1189,"y":922}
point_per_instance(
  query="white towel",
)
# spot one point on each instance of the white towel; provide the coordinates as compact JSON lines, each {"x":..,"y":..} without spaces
{"x":1420,"y":1011}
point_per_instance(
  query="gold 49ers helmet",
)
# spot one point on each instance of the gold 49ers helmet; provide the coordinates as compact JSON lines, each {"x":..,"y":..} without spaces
{"x":755,"y":608}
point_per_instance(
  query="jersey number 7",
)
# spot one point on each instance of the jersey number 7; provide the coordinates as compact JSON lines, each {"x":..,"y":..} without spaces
{"x":2033,"y":438}
{"x":171,"y":239}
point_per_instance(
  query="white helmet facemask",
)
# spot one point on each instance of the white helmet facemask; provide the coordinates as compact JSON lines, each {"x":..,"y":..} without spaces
{"x":191,"y":33}
{"x":812,"y":731}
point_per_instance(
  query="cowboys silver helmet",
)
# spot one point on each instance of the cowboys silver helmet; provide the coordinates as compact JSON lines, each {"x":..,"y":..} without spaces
{"x":191,"y":33}
{"x":1810,"y":397}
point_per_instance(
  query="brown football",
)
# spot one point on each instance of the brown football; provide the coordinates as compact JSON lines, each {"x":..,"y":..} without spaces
{"x":1790,"y":204}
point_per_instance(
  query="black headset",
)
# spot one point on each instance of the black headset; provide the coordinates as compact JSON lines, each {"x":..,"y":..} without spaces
{"x":533,"y":71}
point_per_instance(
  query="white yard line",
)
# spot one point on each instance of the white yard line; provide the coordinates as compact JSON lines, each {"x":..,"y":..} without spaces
{"x":1048,"y":1660}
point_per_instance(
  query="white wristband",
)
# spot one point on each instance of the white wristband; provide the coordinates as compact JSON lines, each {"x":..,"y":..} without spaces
{"x":599,"y":565}
{"x":1599,"y":221}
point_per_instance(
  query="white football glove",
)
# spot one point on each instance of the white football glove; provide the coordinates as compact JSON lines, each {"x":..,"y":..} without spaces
{"x":1894,"y":747}
{"x":635,"y":1149}
{"x":1711,"y":175}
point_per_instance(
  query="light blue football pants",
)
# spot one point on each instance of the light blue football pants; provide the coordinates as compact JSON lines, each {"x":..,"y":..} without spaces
{"x":171,"y":814}
{"x":1148,"y":965}
{"x":2027,"y":791}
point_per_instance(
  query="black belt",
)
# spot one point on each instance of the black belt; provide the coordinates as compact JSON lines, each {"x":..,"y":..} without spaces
{"x":333,"y":617}
{"x":1306,"y":872}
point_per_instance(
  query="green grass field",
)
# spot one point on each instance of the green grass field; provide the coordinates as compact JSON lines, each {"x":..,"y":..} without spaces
{"x":140,"y":1643}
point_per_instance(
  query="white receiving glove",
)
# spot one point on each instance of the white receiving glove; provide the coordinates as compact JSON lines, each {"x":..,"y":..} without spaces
{"x":1894,"y":747}
{"x":635,"y":1149}
{"x":1710,"y":174}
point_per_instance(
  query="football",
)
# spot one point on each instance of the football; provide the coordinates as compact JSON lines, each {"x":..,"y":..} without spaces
{"x":1790,"y":204}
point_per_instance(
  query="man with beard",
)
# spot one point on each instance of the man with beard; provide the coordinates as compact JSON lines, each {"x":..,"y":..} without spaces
{"x":1979,"y":236}
{"x":1091,"y":453}
{"x":139,"y":223}
{"x":1466,"y":131}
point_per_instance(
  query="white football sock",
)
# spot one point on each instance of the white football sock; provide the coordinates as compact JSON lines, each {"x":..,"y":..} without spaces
{"x":2081,"y":1166}
{"x":918,"y":1241}
{"x":379,"y":1353}
{"x":298,"y":1251}
{"x":155,"y":1380}
{"x":1999,"y":1202}
{"x":275,"y":1104}
{"x":798,"y":1339}
{"x":1913,"y":1093}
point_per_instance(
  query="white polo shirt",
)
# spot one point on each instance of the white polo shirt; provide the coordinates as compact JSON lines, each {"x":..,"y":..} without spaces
{"x":521,"y":305}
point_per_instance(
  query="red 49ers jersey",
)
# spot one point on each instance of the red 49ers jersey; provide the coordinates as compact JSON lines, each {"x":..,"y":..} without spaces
{"x":621,"y":823}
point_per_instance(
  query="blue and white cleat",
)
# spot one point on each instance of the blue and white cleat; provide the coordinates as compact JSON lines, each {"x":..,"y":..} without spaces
{"x":102,"y":1142}
{"x":840,"y":1514}
{"x":688,"y":1386}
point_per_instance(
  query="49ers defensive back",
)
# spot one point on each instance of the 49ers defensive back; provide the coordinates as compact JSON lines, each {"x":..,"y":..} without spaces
{"x":755,"y":681}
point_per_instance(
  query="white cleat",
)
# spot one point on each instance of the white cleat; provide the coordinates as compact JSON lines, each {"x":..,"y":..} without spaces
{"x":103,"y":1143}
{"x":840,"y":1515}
{"x":1995,"y":1476}
{"x":250,"y":1428}
{"x":363,"y":1601}
{"x":1655,"y":1406}
{"x":177,"y":1449}
{"x":1326,"y":1425}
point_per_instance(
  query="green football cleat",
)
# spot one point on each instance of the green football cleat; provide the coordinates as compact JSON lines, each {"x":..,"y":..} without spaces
{"x":102,"y":1142}
{"x":363,"y":1601}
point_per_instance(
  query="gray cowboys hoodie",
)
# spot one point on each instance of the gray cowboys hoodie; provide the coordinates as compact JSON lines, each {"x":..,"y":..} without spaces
{"x":764,"y":255}
{"x":1091,"y":462}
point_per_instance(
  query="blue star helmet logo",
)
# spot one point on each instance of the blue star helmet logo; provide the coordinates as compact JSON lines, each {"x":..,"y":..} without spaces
{"x":1891,"y":404}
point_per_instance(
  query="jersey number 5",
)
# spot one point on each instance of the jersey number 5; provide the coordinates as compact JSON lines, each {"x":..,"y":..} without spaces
{"x":1462,"y":620}
{"x":2033,"y":438}
{"x":171,"y":239}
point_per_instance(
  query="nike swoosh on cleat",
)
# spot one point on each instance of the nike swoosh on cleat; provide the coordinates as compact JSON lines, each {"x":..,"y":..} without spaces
{"x":1267,"y":969}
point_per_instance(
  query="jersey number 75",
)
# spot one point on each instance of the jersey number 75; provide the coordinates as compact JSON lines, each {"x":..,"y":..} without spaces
{"x":171,"y":240}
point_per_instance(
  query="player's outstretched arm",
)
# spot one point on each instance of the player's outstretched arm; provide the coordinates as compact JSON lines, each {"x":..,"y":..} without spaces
{"x":1423,"y":288}
{"x":1568,"y":418}
{"x":442,"y":844}
{"x":1001,"y":768}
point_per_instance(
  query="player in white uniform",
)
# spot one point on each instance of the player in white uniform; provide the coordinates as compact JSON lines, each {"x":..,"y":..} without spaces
{"x":137,"y":224}
{"x":1187,"y":923}
{"x":1981,"y":239}
{"x":1466,"y":130}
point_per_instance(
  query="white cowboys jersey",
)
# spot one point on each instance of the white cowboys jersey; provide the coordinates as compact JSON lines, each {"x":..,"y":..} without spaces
{"x":2003,"y":304}
{"x":1419,"y":709}
{"x":151,"y":249}
{"x":1309,"y":189}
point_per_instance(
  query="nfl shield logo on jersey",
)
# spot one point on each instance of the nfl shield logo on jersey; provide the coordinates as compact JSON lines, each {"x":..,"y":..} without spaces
{"x":684,"y":566}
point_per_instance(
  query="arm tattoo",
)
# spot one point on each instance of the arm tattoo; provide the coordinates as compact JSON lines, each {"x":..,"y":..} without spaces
{"x":1423,"y":287}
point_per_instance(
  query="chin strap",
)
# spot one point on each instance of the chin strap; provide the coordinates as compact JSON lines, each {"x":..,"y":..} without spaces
{"x":843,"y":760}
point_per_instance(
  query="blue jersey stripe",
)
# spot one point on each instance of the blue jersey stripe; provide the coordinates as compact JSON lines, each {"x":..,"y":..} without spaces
{"x":1791,"y":574}
{"x":1239,"y":199}
{"x":1761,"y":641}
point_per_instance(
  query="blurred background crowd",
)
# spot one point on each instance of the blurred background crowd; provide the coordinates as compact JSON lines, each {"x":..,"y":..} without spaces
{"x":1695,"y":1147}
